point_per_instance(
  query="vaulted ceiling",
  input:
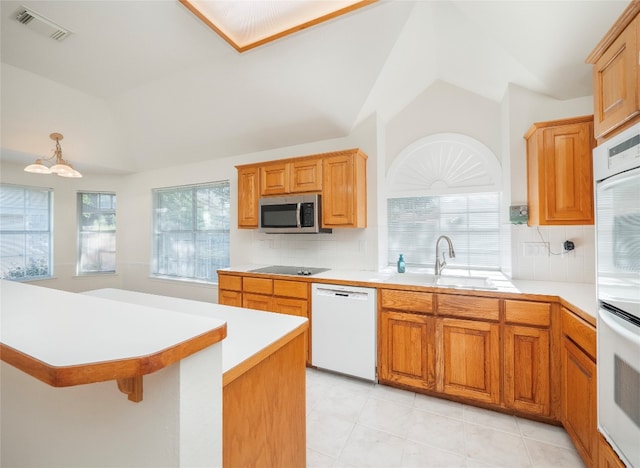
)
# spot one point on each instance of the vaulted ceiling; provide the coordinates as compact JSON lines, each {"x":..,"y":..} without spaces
{"x":171,"y":86}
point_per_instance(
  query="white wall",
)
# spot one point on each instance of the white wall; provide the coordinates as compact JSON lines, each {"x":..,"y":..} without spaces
{"x":501,"y":126}
{"x":344,"y":248}
{"x":522,"y":108}
{"x":65,"y":234}
{"x":440,"y":108}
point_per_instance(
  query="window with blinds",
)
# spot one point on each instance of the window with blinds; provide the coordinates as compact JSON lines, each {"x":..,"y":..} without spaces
{"x":191,"y":231}
{"x":472,"y":221}
{"x":26,"y":232}
{"x":96,"y":233}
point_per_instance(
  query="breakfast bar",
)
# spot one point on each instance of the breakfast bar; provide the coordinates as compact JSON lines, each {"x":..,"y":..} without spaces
{"x":192,"y":398}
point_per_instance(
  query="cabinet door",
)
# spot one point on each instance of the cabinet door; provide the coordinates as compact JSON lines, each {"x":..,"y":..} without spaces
{"x":257,"y":302}
{"x":567,"y":174}
{"x":231,"y":298}
{"x":579,"y":408}
{"x":406,"y":343}
{"x":526,"y":369}
{"x":468,"y":359}
{"x":344,"y":191}
{"x":306,"y":176}
{"x":607,"y":457}
{"x":615,"y":79}
{"x":285,"y":305}
{"x":274,"y":179}
{"x":248,"y":190}
{"x":299,"y":308}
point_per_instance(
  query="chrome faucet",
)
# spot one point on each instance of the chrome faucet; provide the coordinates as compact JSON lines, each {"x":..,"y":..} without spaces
{"x":440,"y":264}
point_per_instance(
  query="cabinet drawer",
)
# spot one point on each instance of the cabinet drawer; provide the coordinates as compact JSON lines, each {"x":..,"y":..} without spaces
{"x":580,"y":332}
{"x":410,"y":301}
{"x":484,"y":308}
{"x":298,"y":289}
{"x":528,"y":313}
{"x":230,"y":283}
{"x":257,"y":285}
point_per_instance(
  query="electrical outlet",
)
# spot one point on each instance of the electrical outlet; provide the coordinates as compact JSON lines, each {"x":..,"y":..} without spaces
{"x":536,"y":249}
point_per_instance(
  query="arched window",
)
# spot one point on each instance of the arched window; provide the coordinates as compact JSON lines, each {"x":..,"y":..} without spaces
{"x":445,"y":184}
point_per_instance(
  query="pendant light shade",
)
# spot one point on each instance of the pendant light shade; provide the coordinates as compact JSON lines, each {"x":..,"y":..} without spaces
{"x":61,"y":167}
{"x":37,"y":168}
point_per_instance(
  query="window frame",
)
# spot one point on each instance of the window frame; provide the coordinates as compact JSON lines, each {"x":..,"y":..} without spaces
{"x":80,"y":212}
{"x":49,"y":230}
{"x":156,"y":233}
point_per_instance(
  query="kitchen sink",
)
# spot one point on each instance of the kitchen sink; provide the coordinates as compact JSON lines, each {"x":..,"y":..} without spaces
{"x":466,"y":282}
{"x":415,"y":279}
{"x":445,"y":281}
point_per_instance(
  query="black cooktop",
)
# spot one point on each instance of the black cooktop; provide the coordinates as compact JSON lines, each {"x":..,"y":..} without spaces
{"x":289,"y":270}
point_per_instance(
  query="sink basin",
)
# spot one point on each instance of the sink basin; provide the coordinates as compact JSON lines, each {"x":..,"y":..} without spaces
{"x":415,"y":279}
{"x":445,"y":281}
{"x":466,"y":282}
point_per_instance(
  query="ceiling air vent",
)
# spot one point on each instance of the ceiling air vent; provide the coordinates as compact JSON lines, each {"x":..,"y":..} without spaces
{"x":40,"y":24}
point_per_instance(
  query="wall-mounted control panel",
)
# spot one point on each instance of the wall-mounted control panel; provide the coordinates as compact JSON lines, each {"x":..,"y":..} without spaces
{"x":518,"y":214}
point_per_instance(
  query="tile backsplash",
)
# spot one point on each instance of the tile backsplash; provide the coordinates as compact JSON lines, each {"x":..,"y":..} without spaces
{"x":353,"y":249}
{"x":533,"y":260}
{"x":525,"y":255}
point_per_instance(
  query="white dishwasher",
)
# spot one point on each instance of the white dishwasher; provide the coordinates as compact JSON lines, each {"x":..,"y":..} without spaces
{"x":343,"y":330}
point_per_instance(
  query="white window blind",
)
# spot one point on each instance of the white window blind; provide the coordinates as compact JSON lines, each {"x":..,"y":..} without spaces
{"x":191,"y":231}
{"x":96,"y":233}
{"x":26,"y":235}
{"x":472,"y":221}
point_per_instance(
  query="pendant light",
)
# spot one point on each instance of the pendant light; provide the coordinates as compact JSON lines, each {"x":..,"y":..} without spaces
{"x":61,"y":167}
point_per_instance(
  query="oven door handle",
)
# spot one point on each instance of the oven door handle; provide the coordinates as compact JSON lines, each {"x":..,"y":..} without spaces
{"x":609,"y":320}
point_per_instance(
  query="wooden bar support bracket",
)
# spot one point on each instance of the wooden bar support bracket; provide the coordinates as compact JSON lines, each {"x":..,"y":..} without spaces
{"x":132,"y":387}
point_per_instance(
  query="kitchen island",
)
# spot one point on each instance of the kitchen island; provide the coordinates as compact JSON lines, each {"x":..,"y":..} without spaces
{"x":264,"y":383}
{"x":217,"y":406}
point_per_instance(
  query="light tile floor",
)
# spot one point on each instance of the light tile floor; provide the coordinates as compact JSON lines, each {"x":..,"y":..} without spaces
{"x":352,"y":424}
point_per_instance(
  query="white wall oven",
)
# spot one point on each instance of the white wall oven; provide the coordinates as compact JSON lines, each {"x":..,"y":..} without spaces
{"x":617,"y":174}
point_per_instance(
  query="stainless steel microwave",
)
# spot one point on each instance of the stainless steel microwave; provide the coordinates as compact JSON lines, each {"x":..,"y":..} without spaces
{"x":291,"y":214}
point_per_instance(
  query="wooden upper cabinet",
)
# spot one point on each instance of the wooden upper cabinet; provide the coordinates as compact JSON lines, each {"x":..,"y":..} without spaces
{"x":297,"y":176}
{"x":615,"y":74}
{"x":248,"y":196}
{"x":306,"y":175}
{"x":340,"y":177}
{"x":344,"y":194}
{"x":274,"y":179}
{"x":559,"y":172}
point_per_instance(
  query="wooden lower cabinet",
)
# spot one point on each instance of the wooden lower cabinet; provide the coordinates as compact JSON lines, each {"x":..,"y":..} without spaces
{"x":579,"y":410}
{"x":468,"y":359}
{"x":526,"y":369}
{"x":229,"y":290}
{"x":257,"y":301}
{"x":232,"y":298}
{"x":607,"y":457}
{"x":406,"y":354}
{"x":271,"y":295}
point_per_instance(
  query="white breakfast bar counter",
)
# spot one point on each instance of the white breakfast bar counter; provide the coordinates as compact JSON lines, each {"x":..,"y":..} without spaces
{"x":203,"y":398}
